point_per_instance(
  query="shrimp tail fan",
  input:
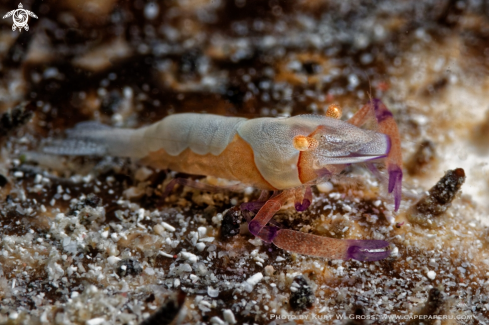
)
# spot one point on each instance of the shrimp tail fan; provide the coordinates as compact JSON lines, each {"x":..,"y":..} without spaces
{"x":95,"y":139}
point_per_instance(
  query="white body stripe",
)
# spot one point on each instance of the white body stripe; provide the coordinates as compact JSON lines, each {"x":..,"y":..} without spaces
{"x":202,"y":133}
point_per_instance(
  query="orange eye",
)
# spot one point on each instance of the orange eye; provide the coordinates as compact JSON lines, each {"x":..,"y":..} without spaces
{"x":303,"y":143}
{"x":334,"y":111}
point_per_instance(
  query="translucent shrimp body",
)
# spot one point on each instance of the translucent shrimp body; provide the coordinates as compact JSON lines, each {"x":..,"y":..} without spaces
{"x":186,"y":142}
{"x":284,"y":155}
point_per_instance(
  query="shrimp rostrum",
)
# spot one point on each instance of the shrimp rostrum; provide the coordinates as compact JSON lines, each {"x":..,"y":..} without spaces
{"x":284,"y":155}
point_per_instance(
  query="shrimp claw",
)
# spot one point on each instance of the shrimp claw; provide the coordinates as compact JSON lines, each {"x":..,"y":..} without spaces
{"x":308,"y":244}
{"x":344,"y":249}
{"x":368,"y":250}
{"x":376,"y":111}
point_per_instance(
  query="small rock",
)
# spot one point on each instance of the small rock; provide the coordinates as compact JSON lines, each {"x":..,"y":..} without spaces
{"x":159,"y":230}
{"x":231,"y":223}
{"x":434,"y":306}
{"x":200,"y":246}
{"x":142,"y":174}
{"x":14,"y":118}
{"x":134,"y":193}
{"x":427,"y":210}
{"x":3,"y":180}
{"x":128,"y":267}
{"x":202,"y":231}
{"x":302,"y":296}
{"x":325,"y":187}
{"x":254,"y":279}
{"x":422,"y":158}
{"x":269,"y":270}
{"x":168,"y":312}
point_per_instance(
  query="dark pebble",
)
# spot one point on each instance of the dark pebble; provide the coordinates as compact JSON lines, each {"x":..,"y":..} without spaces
{"x":3,"y":180}
{"x":422,"y":158}
{"x":231,"y":222}
{"x":303,"y":298}
{"x":14,"y":118}
{"x":434,"y":306}
{"x":442,"y":193}
{"x":168,"y":312}
{"x":128,"y":267}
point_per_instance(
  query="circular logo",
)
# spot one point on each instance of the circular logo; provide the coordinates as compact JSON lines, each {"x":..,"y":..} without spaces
{"x":20,"y":18}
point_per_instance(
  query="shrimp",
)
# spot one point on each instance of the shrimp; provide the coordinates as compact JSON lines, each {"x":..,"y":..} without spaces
{"x":284,"y":155}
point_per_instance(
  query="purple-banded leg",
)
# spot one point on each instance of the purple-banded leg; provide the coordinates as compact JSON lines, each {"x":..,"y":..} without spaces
{"x":376,"y":111}
{"x":332,"y":248}
{"x":344,"y":249}
{"x":254,"y":206}
{"x":268,"y":210}
{"x":251,"y":207}
{"x":308,"y":244}
{"x":303,"y":198}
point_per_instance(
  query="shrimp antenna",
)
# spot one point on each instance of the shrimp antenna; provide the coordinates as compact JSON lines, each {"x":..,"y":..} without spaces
{"x":369,"y":93}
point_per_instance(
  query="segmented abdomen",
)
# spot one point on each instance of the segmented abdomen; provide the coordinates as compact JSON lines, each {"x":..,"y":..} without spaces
{"x":202,"y":144}
{"x":201,"y":133}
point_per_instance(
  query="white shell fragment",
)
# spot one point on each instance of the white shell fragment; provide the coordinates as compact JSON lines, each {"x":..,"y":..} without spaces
{"x":214,"y":293}
{"x":113,"y":260}
{"x":200,"y":246}
{"x":168,"y":226}
{"x":229,"y":316}
{"x":189,"y":257}
{"x":217,"y":321}
{"x":95,"y":321}
{"x":252,"y":281}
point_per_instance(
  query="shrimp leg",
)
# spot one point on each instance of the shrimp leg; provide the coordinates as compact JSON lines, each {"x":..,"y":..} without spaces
{"x":308,"y":244}
{"x":254,"y":206}
{"x":376,"y":111}
{"x":303,"y":198}
{"x":267,"y":211}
